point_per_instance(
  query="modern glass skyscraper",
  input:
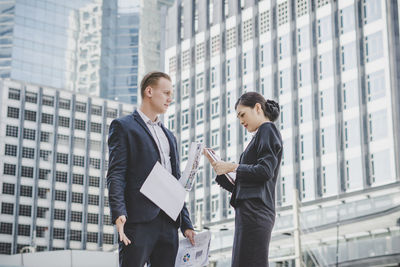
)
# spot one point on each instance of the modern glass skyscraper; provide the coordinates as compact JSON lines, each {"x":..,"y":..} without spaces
{"x":53,"y":43}
{"x":89,"y":46}
{"x":334,"y":68}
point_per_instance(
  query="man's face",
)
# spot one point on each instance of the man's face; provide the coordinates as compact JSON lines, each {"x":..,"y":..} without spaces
{"x":161,"y":95}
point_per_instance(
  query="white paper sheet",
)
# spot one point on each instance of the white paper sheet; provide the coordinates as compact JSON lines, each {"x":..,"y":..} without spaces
{"x":192,"y":165}
{"x":212,"y":156}
{"x":164,"y":190}
{"x":196,"y":255}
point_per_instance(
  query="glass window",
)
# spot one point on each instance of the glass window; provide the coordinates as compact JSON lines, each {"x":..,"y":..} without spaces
{"x":185,"y":89}
{"x":373,"y":46}
{"x":325,"y":65}
{"x":77,"y":197}
{"x":215,"y":138}
{"x":352,"y":135}
{"x":328,"y":139}
{"x":215,"y":108}
{"x":28,"y":153}
{"x":286,"y":116}
{"x":284,"y":46}
{"x":305,"y":109}
{"x":372,"y":10}
{"x":376,"y":85}
{"x":12,"y":131}
{"x":324,"y":29}
{"x":303,"y":38}
{"x":347,"y":22}
{"x":265,"y":54}
{"x":171,"y":122}
{"x":92,"y":237}
{"x":304,"y":75}
{"x":378,"y":125}
{"x":307,"y":185}
{"x":10,"y":150}
{"x":78,"y":161}
{"x":8,"y":189}
{"x":199,"y":113}
{"x":80,"y":125}
{"x":30,"y":115}
{"x":327,"y":104}
{"x":185,"y":149}
{"x":330,"y":180}
{"x":306,"y":146}
{"x":354,"y":173}
{"x":13,"y":112}
{"x":349,"y":58}
{"x":380,"y":167}
{"x":350,"y":94}
{"x":200,"y":83}
{"x":185,"y":119}
{"x":9,"y":169}
{"x":284,"y":81}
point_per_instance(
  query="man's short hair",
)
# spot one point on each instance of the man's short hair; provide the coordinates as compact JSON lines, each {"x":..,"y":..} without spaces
{"x":152,"y":78}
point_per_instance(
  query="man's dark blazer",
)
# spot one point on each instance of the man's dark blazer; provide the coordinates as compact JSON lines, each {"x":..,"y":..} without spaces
{"x":133,"y":153}
{"x":258,"y":168}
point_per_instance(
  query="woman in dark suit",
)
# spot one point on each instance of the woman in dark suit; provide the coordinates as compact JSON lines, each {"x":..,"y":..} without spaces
{"x":253,"y":195}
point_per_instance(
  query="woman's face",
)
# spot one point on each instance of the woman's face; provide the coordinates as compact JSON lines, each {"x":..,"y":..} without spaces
{"x":250,"y":118}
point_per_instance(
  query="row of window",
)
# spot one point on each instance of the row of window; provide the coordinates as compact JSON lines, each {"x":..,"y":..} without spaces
{"x":371,"y":12}
{"x":76,"y":235}
{"x":58,"y":233}
{"x":42,"y":212}
{"x":48,"y":100}
{"x":13,"y":112}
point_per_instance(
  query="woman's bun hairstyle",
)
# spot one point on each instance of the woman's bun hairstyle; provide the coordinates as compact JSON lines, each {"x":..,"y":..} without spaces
{"x":270,"y":108}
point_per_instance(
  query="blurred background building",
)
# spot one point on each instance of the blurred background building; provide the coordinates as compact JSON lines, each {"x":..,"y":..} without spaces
{"x":334,"y":68}
{"x":54,"y":161}
{"x":89,"y":46}
{"x":65,"y":69}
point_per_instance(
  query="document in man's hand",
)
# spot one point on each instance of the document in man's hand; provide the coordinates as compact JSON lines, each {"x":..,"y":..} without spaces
{"x":192,"y":165}
{"x":212,"y":156}
{"x":194,"y":256}
{"x":164,"y":190}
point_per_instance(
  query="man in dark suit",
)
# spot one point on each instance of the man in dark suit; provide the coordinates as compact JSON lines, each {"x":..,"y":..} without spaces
{"x":136,"y":142}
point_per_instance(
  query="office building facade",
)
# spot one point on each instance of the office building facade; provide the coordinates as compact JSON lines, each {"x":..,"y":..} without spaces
{"x":53,"y":164}
{"x":333,"y":66}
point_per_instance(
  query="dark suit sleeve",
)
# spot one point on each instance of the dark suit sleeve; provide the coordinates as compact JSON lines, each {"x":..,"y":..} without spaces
{"x":224,"y":182}
{"x":268,"y":147}
{"x":118,"y":154}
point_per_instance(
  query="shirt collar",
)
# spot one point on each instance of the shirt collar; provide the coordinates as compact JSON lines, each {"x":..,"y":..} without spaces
{"x":147,"y":120}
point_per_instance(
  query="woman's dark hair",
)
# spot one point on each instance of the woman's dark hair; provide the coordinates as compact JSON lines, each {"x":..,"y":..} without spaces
{"x":270,"y":107}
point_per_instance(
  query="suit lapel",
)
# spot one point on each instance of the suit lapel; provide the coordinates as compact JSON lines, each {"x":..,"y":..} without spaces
{"x":172,"y":153}
{"x":139,"y":119}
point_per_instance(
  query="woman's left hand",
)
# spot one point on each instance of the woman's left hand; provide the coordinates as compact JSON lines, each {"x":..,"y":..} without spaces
{"x":222,"y":167}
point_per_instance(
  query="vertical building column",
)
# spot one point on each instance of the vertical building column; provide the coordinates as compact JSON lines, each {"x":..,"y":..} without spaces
{"x":53,"y":172}
{"x":392,"y":11}
{"x":364,"y":134}
{"x":18,"y":170}
{"x":86,"y":175}
{"x":36,"y":168}
{"x":102,"y":181}
{"x":70,"y":178}
{"x":337,"y":74}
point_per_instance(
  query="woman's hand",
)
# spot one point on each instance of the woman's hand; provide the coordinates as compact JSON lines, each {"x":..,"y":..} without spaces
{"x":222,"y":167}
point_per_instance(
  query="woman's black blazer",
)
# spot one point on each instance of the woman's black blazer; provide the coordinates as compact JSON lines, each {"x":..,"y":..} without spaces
{"x":258,"y":168}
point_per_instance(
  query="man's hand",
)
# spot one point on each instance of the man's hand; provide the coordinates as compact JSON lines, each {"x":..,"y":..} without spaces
{"x":120,"y":222}
{"x":189,"y":234}
{"x":222,"y":167}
